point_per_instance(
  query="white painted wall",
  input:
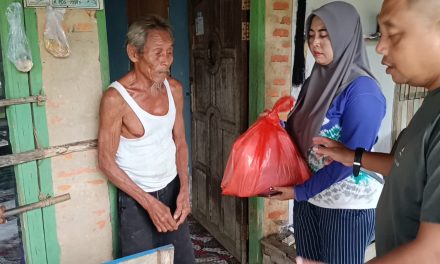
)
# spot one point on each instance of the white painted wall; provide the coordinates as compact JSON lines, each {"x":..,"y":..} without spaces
{"x":368,"y":10}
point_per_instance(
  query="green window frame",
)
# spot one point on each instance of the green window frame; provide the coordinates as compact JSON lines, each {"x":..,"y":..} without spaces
{"x":33,"y":179}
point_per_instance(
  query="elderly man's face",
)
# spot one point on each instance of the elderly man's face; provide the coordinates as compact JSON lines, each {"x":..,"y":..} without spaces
{"x":157,"y":57}
{"x":408,"y":39}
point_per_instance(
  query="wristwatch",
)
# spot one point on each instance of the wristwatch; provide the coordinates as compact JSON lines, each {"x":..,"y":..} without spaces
{"x":357,"y":160}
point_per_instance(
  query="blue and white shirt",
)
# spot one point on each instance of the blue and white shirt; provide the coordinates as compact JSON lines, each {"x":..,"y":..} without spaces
{"x":354,"y":119}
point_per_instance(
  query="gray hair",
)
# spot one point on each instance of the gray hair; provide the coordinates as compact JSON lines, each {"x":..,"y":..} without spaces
{"x":138,"y":31}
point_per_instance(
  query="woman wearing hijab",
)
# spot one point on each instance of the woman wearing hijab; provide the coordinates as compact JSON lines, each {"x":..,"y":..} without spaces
{"x":334,"y":211}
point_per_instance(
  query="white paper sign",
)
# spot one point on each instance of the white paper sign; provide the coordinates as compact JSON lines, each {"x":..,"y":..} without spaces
{"x":36,"y":3}
{"x":199,"y":24}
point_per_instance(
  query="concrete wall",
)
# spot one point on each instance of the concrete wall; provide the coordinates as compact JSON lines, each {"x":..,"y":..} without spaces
{"x":73,"y":89}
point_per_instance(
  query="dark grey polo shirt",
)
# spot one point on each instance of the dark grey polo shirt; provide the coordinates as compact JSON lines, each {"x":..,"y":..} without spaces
{"x":411,"y":193}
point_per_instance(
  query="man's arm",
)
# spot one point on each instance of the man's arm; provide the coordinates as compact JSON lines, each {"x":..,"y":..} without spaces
{"x":2,"y":219}
{"x":373,"y":161}
{"x":110,"y":124}
{"x":183,"y":205}
{"x":424,"y":249}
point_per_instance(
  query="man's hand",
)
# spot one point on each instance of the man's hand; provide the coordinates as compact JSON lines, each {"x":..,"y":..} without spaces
{"x":2,"y":219}
{"x":333,"y":149}
{"x":161,"y":216}
{"x":183,"y":207}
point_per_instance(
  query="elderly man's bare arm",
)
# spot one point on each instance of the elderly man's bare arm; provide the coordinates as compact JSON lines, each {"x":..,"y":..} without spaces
{"x":183,"y":205}
{"x":2,"y":218}
{"x":112,"y":110}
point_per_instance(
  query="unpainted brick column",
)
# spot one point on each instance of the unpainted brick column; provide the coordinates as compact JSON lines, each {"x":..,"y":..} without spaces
{"x":278,"y":75}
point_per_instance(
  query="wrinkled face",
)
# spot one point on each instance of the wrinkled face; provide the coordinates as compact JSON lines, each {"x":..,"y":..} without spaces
{"x":409,"y":44}
{"x":156,"y":59}
{"x":319,"y":42}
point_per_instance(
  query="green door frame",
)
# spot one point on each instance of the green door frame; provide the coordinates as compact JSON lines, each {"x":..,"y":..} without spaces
{"x":256,"y":105}
{"x":105,"y":78}
{"x":33,"y":179}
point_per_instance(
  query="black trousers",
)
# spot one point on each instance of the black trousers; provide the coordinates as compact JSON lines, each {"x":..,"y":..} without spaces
{"x":137,"y":232}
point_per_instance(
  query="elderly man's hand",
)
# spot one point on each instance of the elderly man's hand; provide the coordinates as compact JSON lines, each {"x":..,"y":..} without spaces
{"x":2,"y":219}
{"x":183,"y":208}
{"x":161,"y":216}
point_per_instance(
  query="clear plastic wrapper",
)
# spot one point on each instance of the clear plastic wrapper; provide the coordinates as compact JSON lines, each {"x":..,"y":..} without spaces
{"x":19,"y":52}
{"x":55,"y":40}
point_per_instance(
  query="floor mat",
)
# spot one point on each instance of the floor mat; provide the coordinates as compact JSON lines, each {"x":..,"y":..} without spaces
{"x":206,"y":248}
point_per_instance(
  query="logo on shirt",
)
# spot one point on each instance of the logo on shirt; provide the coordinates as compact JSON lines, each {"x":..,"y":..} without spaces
{"x":396,"y":161}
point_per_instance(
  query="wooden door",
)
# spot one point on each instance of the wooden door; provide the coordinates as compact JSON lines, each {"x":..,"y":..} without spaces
{"x":140,"y":8}
{"x":219,"y":89}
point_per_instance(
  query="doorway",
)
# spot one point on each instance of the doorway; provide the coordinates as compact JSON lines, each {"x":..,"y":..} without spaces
{"x":219,"y":107}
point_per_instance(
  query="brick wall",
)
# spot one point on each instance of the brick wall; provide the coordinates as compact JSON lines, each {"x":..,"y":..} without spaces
{"x":278,"y":72}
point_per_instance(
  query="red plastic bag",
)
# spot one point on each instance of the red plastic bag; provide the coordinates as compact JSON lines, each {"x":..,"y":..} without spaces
{"x":264,"y":156}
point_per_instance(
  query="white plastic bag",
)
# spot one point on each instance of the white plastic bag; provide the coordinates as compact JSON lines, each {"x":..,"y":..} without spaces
{"x":19,"y":52}
{"x":55,"y":40}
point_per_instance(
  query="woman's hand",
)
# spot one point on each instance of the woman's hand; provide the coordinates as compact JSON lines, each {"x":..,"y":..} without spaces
{"x":333,"y":149}
{"x":287,"y":193}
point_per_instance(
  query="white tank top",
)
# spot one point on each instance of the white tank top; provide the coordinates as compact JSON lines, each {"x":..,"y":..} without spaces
{"x":149,"y":161}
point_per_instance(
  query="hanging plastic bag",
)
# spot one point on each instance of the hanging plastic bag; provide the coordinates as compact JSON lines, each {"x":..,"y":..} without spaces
{"x":55,"y":40}
{"x":19,"y":52}
{"x":264,"y":156}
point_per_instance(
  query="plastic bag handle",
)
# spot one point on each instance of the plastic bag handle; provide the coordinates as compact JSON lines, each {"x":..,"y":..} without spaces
{"x":284,"y":104}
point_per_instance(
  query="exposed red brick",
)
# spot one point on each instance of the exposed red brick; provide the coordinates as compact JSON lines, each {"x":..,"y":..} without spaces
{"x":286,"y":44}
{"x":280,"y":32}
{"x":83,"y":27}
{"x":280,"y":5}
{"x":279,"y":82}
{"x":273,"y":92}
{"x":280,"y":58}
{"x":286,"y":20}
{"x":275,"y":214}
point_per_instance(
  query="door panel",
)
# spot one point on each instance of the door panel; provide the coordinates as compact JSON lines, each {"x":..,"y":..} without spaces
{"x":219,"y":69}
{"x":140,"y":8}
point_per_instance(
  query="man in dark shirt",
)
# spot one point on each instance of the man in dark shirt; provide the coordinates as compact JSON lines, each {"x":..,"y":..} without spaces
{"x":408,"y":213}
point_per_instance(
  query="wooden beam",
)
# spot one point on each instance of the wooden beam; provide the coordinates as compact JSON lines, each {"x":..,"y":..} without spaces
{"x":39,"y":99}
{"x":38,"y":154}
{"x":43,"y":203}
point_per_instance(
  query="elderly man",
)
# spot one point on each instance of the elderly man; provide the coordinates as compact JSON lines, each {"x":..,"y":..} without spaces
{"x":142,"y":147}
{"x":408,"y":215}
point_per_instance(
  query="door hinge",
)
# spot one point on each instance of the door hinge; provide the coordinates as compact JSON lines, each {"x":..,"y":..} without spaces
{"x":244,"y":30}
{"x":245,"y":4}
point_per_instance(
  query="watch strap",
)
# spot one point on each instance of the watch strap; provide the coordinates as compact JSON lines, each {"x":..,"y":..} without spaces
{"x":357,"y":160}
